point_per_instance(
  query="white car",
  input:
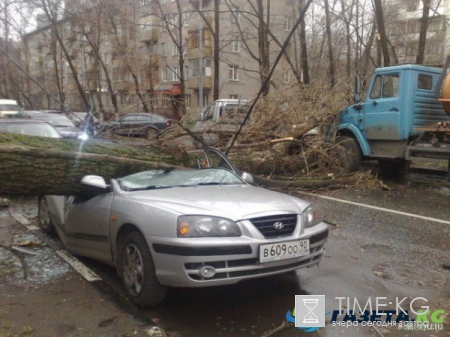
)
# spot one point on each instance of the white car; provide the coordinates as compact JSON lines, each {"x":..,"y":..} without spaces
{"x":186,"y":228}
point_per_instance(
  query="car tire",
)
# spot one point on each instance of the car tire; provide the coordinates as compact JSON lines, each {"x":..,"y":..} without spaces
{"x":138,"y":272}
{"x":351,"y":153}
{"x":45,"y":220}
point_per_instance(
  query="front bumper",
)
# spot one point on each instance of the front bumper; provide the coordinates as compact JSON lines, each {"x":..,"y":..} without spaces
{"x":233,"y":259}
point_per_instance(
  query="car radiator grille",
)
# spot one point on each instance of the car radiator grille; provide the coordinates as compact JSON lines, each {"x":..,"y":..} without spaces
{"x":267,"y":225}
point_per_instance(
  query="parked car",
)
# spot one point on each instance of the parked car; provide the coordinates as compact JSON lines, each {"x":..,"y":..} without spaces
{"x":59,"y":121}
{"x":186,"y":227}
{"x":138,"y":124}
{"x":28,"y":127}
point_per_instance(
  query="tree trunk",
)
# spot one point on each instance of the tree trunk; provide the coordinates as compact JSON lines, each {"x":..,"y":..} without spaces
{"x":304,"y":48}
{"x":423,"y":32}
{"x":216,"y":51}
{"x":29,"y":167}
{"x":382,"y":32}
{"x":330,"y":46}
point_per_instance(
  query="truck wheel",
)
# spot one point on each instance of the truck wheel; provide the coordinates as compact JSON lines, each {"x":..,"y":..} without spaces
{"x":397,"y":166}
{"x":350,"y":153}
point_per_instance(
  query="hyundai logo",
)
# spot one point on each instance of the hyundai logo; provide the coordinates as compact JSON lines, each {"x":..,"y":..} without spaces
{"x":278,"y":225}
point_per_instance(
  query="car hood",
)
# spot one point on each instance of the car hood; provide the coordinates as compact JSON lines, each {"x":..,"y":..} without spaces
{"x":235,"y":202}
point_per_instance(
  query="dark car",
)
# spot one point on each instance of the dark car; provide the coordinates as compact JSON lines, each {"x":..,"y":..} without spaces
{"x":28,"y":127}
{"x":139,"y":124}
{"x":59,"y":121}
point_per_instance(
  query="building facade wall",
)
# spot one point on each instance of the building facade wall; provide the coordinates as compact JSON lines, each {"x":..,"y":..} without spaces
{"x":141,"y":47}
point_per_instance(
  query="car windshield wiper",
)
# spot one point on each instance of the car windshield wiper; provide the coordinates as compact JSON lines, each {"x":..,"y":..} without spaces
{"x":213,"y":183}
{"x":146,"y":188}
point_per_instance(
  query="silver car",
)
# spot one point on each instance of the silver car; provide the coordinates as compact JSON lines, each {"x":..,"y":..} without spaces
{"x":186,"y":228}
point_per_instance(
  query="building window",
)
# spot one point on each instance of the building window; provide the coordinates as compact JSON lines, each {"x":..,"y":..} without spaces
{"x":185,"y":18}
{"x":195,"y":67}
{"x":234,"y":14}
{"x":435,"y":25}
{"x":434,"y":3}
{"x":165,"y":102}
{"x":425,"y":82}
{"x":164,"y":74}
{"x":288,"y":24}
{"x":412,"y":5}
{"x":176,"y":74}
{"x":233,"y":75}
{"x":143,"y":3}
{"x":194,"y":38}
{"x":287,"y":77}
{"x":146,"y":26}
{"x":234,"y":96}
{"x":186,"y":72}
{"x":163,"y":49}
{"x":162,"y":2}
{"x":236,"y":45}
{"x":187,"y":101}
{"x":174,"y":49}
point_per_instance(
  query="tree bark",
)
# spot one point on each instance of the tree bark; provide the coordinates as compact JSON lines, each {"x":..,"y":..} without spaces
{"x":423,"y":32}
{"x":382,"y":32}
{"x":330,"y":46}
{"x":29,"y":167}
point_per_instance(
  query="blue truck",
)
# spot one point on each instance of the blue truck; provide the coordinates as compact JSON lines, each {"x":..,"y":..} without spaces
{"x":405,"y":117}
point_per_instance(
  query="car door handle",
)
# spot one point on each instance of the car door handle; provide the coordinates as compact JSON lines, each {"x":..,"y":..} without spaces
{"x":394,"y":109}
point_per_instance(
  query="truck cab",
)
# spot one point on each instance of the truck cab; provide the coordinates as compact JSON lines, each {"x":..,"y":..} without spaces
{"x":221,"y":115}
{"x":400,"y":101}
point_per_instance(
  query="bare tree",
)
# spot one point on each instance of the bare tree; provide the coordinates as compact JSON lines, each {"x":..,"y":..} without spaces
{"x":423,"y":31}
{"x":173,"y":23}
{"x":330,"y":46}
{"x":379,"y":14}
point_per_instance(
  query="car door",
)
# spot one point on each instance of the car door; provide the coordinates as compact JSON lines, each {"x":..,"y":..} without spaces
{"x":86,"y":226}
{"x":382,"y":109}
{"x":127,"y":124}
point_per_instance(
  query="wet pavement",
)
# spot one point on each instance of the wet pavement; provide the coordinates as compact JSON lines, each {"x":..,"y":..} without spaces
{"x":371,"y":253}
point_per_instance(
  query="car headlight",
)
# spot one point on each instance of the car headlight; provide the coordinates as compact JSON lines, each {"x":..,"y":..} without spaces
{"x":197,"y":226}
{"x":83,"y":136}
{"x":311,"y":216}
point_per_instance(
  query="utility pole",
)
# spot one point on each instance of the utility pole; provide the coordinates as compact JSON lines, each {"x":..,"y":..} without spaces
{"x":200,"y":62}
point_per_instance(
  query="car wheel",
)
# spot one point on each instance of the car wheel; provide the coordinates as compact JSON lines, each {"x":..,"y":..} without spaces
{"x":152,"y":133}
{"x":45,"y":220}
{"x":351,"y":155}
{"x":138,"y":272}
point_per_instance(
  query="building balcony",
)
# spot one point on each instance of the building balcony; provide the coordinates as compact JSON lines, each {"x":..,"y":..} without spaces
{"x":123,"y":85}
{"x":194,"y":83}
{"x":148,"y":35}
{"x":194,"y":53}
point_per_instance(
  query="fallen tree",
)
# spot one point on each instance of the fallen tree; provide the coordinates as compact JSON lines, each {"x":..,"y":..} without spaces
{"x":35,"y":165}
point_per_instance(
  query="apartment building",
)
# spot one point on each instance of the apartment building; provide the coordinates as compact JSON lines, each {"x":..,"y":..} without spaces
{"x":403,"y":25}
{"x":156,"y":55}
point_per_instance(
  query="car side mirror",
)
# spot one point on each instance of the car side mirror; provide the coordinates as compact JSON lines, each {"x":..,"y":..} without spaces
{"x":247,"y":177}
{"x":92,"y":186}
{"x":357,"y":92}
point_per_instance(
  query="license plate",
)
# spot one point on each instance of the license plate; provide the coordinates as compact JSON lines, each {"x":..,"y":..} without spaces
{"x":283,"y":250}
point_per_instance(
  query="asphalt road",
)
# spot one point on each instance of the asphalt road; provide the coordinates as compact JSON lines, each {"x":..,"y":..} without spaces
{"x":383,"y":244}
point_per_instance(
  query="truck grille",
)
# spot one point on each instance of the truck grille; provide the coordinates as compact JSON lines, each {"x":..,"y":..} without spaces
{"x":269,"y":226}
